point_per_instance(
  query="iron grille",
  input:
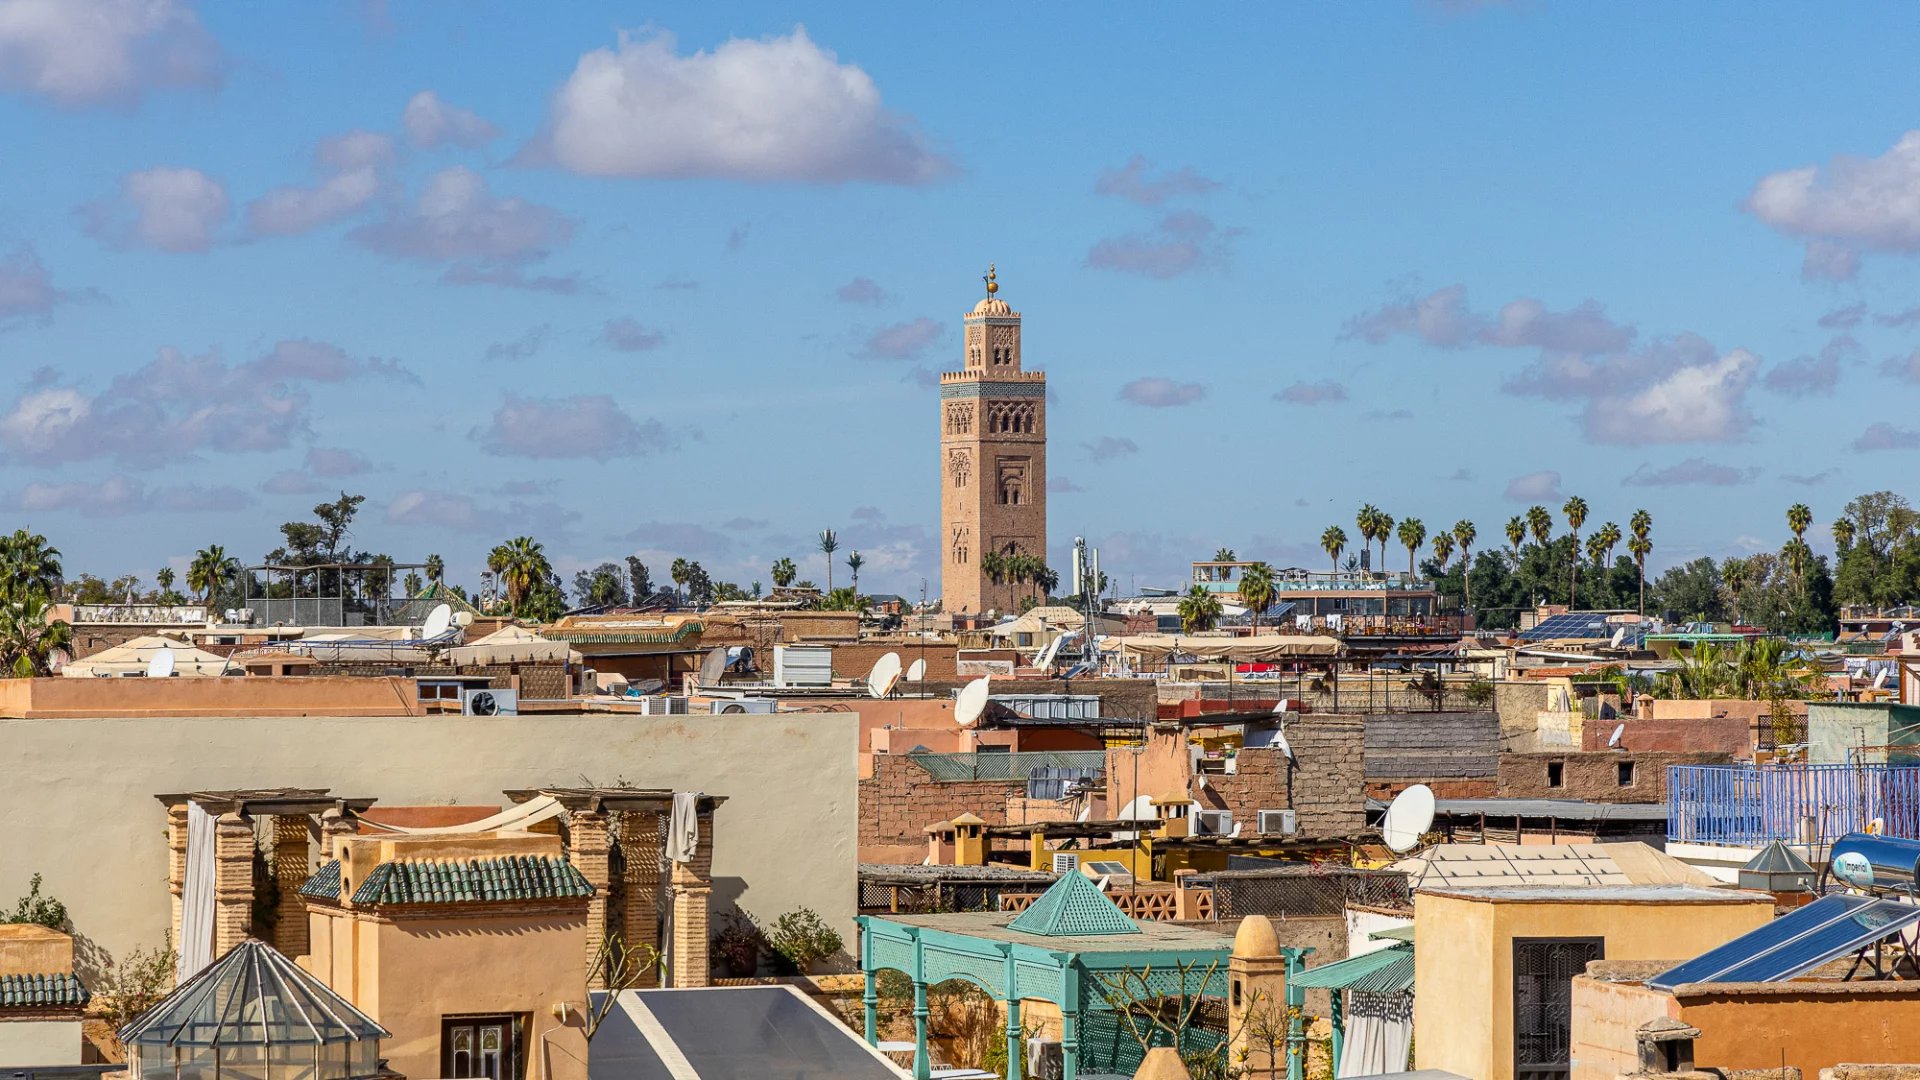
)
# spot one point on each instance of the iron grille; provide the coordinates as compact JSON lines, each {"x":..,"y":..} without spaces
{"x":1295,"y":893}
{"x":1543,"y":971}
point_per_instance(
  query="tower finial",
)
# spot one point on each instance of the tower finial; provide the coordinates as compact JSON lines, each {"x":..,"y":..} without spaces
{"x":992,"y":285}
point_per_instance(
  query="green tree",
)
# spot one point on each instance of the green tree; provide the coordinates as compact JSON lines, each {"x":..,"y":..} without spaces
{"x":784,"y":572}
{"x":29,"y":566}
{"x":639,"y":579}
{"x":1413,"y":533}
{"x":1576,"y":510}
{"x":854,"y":562}
{"x":1798,"y":518}
{"x":1516,"y":535}
{"x":29,"y":638}
{"x":521,"y":564}
{"x":1640,"y":546}
{"x":680,"y":572}
{"x":1465,"y":534}
{"x":829,"y":543}
{"x":1735,"y":573}
{"x":1257,"y":590}
{"x":1691,"y":591}
{"x":1443,"y":550}
{"x":1540,"y":524}
{"x":210,"y":570}
{"x":843,"y":599}
{"x":1843,"y":535}
{"x":1333,"y":542}
{"x":436,"y":569}
{"x":1225,"y":554}
{"x":1199,"y":610}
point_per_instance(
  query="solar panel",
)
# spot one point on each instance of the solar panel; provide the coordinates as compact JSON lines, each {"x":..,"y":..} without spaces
{"x":1587,"y":624}
{"x":732,"y":1033}
{"x":1795,"y":944}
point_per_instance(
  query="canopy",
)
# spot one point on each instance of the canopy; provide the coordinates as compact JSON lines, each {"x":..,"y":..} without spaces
{"x":132,"y":658}
{"x":511,"y":644}
{"x":1385,"y":971}
{"x":1155,"y":648}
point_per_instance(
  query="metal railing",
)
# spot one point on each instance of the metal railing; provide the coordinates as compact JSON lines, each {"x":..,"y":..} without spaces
{"x":1754,"y":804}
{"x":1008,"y":766}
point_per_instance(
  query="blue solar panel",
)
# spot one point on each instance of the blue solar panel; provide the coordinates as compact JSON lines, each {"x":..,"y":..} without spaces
{"x":1574,"y":625}
{"x":1796,"y":943}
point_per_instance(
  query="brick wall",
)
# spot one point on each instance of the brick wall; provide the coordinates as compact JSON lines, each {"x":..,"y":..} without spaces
{"x":900,"y":800}
{"x":1724,"y":727}
{"x":1417,"y":748}
{"x":1120,"y":699}
{"x":1323,"y":782}
{"x":854,"y":661}
{"x":1595,"y":776}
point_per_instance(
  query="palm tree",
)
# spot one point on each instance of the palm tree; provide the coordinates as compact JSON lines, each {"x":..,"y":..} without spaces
{"x":1225,"y":554}
{"x":1443,"y":549}
{"x":28,"y":565}
{"x":1256,"y":590}
{"x":1333,"y":542}
{"x":28,"y":638}
{"x":210,"y":568}
{"x":1798,"y":518}
{"x":1540,"y":524}
{"x":1465,"y":534}
{"x":1367,"y":520}
{"x":1383,"y":532}
{"x":994,"y":565}
{"x":1048,"y":579}
{"x":1199,"y":610}
{"x":829,"y":543}
{"x":1609,"y":535}
{"x":784,"y":572}
{"x":1576,"y":510}
{"x":1413,"y":533}
{"x":436,"y":569}
{"x":1597,"y":549}
{"x":681,"y":572}
{"x":1843,"y":533}
{"x":854,"y":562}
{"x":1736,"y":573}
{"x":1640,"y":546}
{"x":164,"y":578}
{"x":522,"y":564}
{"x":1516,"y":535}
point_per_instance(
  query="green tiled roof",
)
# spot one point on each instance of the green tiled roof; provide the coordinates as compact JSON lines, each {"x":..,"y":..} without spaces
{"x":325,"y":882}
{"x":471,"y":881}
{"x":1073,"y":907}
{"x":41,"y":991}
{"x":1384,"y":971}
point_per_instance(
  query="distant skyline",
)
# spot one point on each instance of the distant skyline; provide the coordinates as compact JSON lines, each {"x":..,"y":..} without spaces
{"x":679,"y":282}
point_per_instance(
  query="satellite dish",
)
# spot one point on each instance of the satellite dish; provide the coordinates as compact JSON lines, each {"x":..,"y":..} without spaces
{"x":886,"y":672}
{"x":1613,"y":742}
{"x":1619,"y":636}
{"x":161,"y":665}
{"x":917,"y":671}
{"x":972,"y":702}
{"x":439,"y":621}
{"x":1408,"y":819}
{"x":1854,"y":869}
{"x":1280,"y":741}
{"x":713,"y":666}
{"x":1880,"y":680}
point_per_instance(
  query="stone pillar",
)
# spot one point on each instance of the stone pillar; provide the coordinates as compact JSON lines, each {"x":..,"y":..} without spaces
{"x":641,"y":840}
{"x":692,"y":884}
{"x":1016,"y":1045}
{"x":232,"y":882}
{"x":292,"y":865}
{"x":587,"y":840}
{"x":177,"y":865}
{"x":922,"y":1061}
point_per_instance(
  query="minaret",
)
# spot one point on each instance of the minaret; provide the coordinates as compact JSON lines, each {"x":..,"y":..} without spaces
{"x":993,"y":461}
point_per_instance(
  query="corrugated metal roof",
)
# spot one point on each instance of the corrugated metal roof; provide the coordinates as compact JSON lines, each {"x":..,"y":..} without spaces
{"x":472,"y":881}
{"x":41,"y":991}
{"x":1385,"y":971}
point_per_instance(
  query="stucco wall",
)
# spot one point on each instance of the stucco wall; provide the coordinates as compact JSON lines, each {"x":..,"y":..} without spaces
{"x":1878,"y":1024}
{"x":79,"y":805}
{"x":1607,"y":1017}
{"x":40,"y":1042}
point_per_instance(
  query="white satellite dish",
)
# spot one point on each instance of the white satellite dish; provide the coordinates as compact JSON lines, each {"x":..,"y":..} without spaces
{"x":439,"y":620}
{"x":886,"y":672}
{"x":161,"y":665}
{"x":1619,"y":636}
{"x":1408,"y":819}
{"x":1613,"y":741}
{"x":917,"y":671}
{"x":1280,"y":742}
{"x":972,"y":702}
{"x":1880,"y":680}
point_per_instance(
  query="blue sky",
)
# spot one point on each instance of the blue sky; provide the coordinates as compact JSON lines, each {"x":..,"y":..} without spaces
{"x":673,"y":279}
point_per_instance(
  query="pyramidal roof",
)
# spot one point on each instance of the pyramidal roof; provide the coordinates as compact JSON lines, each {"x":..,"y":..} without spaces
{"x":252,"y":996}
{"x":1778,"y":858}
{"x":1073,"y":907}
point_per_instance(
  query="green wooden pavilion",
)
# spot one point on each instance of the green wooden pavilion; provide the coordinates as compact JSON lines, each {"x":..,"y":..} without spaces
{"x":1071,"y":948}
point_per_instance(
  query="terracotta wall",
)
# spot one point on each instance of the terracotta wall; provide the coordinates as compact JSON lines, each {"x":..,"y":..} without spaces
{"x":1594,"y":776}
{"x":900,"y":800}
{"x":1323,"y":782}
{"x":855,"y":661}
{"x":231,"y":696}
{"x":1725,"y":726}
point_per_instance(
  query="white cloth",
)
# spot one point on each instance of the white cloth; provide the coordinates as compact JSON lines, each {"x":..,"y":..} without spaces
{"x":1376,"y":1041}
{"x":196,"y":896}
{"x":683,"y":827}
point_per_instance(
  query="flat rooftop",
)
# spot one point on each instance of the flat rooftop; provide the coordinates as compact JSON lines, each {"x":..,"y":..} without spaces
{"x":1599,"y":894}
{"x":992,"y":926}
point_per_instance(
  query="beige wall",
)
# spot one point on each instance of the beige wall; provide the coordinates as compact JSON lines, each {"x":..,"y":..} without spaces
{"x":79,"y":806}
{"x":30,"y":949}
{"x":1607,"y":1017}
{"x":40,"y":1042}
{"x":321,"y":695}
{"x":1463,"y":1021}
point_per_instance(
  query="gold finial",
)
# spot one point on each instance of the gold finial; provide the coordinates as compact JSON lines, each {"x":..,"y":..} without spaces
{"x":992,"y":285}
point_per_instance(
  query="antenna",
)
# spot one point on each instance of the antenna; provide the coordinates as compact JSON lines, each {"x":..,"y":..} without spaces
{"x":161,"y":665}
{"x":972,"y":702}
{"x":917,"y":671}
{"x":886,"y":672}
{"x":439,"y":621}
{"x":1408,"y":819}
{"x":1613,"y":743}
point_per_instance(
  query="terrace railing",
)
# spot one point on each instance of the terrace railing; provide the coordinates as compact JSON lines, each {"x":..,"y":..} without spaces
{"x":1751,"y":805}
{"x":1008,"y":766}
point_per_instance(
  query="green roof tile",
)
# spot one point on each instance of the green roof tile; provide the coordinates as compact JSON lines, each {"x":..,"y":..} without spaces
{"x":1073,"y":907}
{"x":470,"y":881}
{"x":41,"y":991}
{"x":325,"y":882}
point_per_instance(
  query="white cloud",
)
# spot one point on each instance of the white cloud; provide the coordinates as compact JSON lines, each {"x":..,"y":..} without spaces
{"x":1885,"y":436}
{"x":1542,"y":486}
{"x":1314,"y":393}
{"x":26,"y":288}
{"x":1827,"y":261}
{"x":456,"y":221}
{"x":1131,"y":182}
{"x":771,"y":109}
{"x":1691,"y":472}
{"x":627,"y":335}
{"x":581,"y":426}
{"x":1696,"y":403}
{"x":119,"y":495}
{"x":1905,"y":368}
{"x":1109,"y":446}
{"x":902,"y":341}
{"x":1443,"y":318}
{"x":103,"y":52}
{"x":172,"y":209}
{"x":1160,"y":393}
{"x":1180,"y":243}
{"x":522,"y":347}
{"x":1855,"y":203}
{"x":337,"y":461}
{"x":432,"y":123}
{"x":353,"y":167}
{"x":424,"y":508}
{"x":1817,"y":374}
{"x":1845,"y":317}
{"x":861,"y":290}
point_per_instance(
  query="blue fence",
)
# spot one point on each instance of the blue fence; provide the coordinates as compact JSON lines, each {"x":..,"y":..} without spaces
{"x":1753,"y":804}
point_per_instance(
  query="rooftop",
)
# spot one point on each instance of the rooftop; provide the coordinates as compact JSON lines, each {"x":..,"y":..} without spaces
{"x":993,"y":926}
{"x":1601,"y":894}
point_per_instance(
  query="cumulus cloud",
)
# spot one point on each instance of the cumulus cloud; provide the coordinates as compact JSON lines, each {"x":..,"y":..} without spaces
{"x":861,"y":290}
{"x":1314,"y":393}
{"x":1691,"y":472}
{"x":291,"y":482}
{"x":1853,"y":204}
{"x":1825,"y":261}
{"x":902,"y":341}
{"x":1845,"y":317}
{"x":1158,"y":392}
{"x":337,"y":461}
{"x":171,"y":209}
{"x":352,"y":168}
{"x":1132,"y":183}
{"x":119,"y":495}
{"x":1885,"y":436}
{"x":1542,"y":486}
{"x":78,"y":53}
{"x":1443,"y":318}
{"x":1905,"y":368}
{"x":1061,"y":485}
{"x":27,"y":292}
{"x":1107,"y":446}
{"x":184,"y":403}
{"x":1180,"y":243}
{"x":581,"y":426}
{"x":521,"y":348}
{"x":1696,"y":403}
{"x":425,"y":508}
{"x":481,"y":239}
{"x":1818,"y":374}
{"x":432,"y":123}
{"x":769,"y":109}
{"x":627,"y":335}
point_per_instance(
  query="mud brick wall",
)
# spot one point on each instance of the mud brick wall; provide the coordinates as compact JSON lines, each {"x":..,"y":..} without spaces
{"x":1595,"y":776}
{"x":1324,"y":783}
{"x":1455,"y":753}
{"x":900,"y":800}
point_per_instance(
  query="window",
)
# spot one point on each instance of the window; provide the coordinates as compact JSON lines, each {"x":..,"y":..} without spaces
{"x":1543,"y":971}
{"x":1625,"y":772}
{"x":1556,"y":774}
{"x":481,"y":1046}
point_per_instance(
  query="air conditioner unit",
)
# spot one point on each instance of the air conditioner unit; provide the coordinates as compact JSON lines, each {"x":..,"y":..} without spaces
{"x":490,"y":702}
{"x":1046,"y":1059}
{"x":1213,"y":822}
{"x":745,"y":705}
{"x":663,"y":705}
{"x":1066,"y":862}
{"x":1278,"y":823}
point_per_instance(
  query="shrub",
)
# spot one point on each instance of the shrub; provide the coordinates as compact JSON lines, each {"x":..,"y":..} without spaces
{"x":802,"y":938}
{"x":126,"y":988}
{"x":1479,"y":692}
{"x":39,"y":910}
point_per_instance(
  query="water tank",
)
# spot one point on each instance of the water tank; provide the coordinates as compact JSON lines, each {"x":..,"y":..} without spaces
{"x":1895,"y":861}
{"x":802,"y":665}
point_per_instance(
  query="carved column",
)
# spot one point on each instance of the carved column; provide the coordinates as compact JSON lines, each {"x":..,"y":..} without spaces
{"x":292,"y":865}
{"x":177,"y":865}
{"x":587,"y":838}
{"x":641,"y":841}
{"x":232,"y":882}
{"x":692,"y":884}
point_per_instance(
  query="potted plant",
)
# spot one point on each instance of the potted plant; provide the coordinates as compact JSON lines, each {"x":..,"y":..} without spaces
{"x":802,"y":939}
{"x":738,"y":945}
